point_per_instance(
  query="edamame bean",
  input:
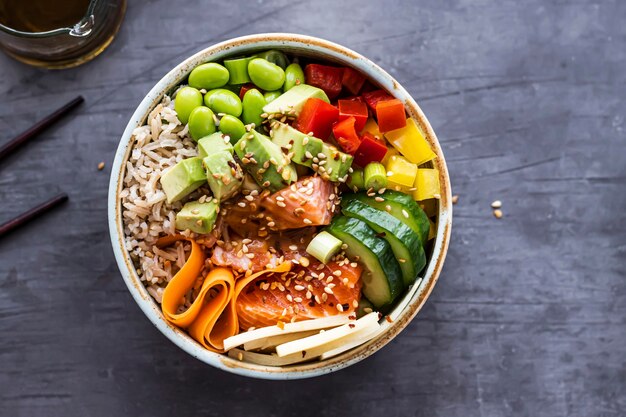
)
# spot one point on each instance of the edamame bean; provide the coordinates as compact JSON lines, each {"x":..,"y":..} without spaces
{"x":208,"y":76}
{"x":253,"y":102}
{"x":238,"y":69}
{"x":272,"y":95}
{"x":293,"y":76}
{"x":187,"y":99}
{"x":223,"y":101}
{"x":275,"y":57}
{"x":233,"y":127}
{"x":201,"y":122}
{"x":266,"y":75}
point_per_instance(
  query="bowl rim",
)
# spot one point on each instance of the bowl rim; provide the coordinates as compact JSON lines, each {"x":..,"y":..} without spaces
{"x":407,"y":307}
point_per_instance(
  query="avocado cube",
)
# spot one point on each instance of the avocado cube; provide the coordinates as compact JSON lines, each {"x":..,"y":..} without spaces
{"x":215,"y":142}
{"x":337,"y":164}
{"x":303,"y":147}
{"x":265,"y":161}
{"x":182,"y":179}
{"x":197,"y":217}
{"x":294,"y":99}
{"x":223,"y":174}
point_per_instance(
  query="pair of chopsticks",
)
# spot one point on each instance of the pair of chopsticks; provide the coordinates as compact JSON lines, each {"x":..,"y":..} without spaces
{"x":18,"y":141}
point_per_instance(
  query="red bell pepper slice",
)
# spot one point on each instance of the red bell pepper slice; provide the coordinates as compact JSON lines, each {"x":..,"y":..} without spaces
{"x":370,"y":150}
{"x":346,"y":136}
{"x":352,"y":80}
{"x":318,"y":117}
{"x":324,"y":77}
{"x":373,"y":97}
{"x":244,"y":89}
{"x":390,"y":115}
{"x":356,"y":109}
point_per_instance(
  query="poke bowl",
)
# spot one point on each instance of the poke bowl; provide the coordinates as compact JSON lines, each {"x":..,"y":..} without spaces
{"x":279,"y":206}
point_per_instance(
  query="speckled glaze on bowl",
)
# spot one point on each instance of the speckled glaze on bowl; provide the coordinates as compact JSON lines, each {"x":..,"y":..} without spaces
{"x":407,"y":307}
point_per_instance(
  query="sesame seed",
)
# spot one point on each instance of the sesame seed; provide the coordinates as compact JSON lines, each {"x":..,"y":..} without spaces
{"x":328,"y":290}
{"x":304,"y":261}
{"x":345,"y":281}
{"x":308,"y":295}
{"x":401,"y":260}
{"x":290,"y":298}
{"x":284,"y":312}
{"x":388,"y":208}
{"x":241,"y":204}
{"x":298,"y":299}
{"x":367,"y":310}
{"x":405,"y":214}
{"x":324,"y":297}
{"x":271,"y":224}
{"x":340,"y":308}
{"x":344,"y":246}
{"x":293,"y":247}
{"x":498,"y":213}
{"x":305,"y":140}
{"x":382,"y":191}
{"x":337,"y":273}
{"x":317,"y":300}
{"x":298,"y":287}
{"x":496,"y":204}
{"x":307,"y":221}
{"x":250,"y":255}
{"x":249,"y":198}
{"x":101,"y":166}
{"x":455,"y":199}
{"x":379,"y":199}
{"x":308,"y":155}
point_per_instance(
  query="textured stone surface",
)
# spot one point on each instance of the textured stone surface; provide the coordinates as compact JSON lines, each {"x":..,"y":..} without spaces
{"x":528,"y":317}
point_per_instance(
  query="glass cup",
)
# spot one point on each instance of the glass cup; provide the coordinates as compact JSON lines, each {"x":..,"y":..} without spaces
{"x":67,"y":47}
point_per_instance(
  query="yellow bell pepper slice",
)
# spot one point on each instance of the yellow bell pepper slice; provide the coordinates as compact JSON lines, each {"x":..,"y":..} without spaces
{"x":400,"y":173}
{"x":411,"y":143}
{"x":391,"y":151}
{"x":426,"y":184}
{"x":371,"y":127}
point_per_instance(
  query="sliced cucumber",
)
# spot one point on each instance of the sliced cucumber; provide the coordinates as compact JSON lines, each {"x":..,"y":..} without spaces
{"x":399,"y":205}
{"x":404,"y":242}
{"x":382,"y":277}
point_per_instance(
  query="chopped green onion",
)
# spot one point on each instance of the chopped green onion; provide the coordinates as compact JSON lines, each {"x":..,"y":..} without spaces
{"x":356,"y":180}
{"x":323,"y":246}
{"x":375,"y":176}
{"x":238,"y":70}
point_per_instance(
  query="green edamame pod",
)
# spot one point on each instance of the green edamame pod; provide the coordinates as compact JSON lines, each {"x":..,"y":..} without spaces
{"x":201,"y":122}
{"x":233,"y":127}
{"x":222,"y":100}
{"x":272,"y":95}
{"x":266,"y":75}
{"x":293,"y":76}
{"x":187,"y":99}
{"x":238,"y":69}
{"x":208,"y":76}
{"x":275,"y":57}
{"x":253,"y":103}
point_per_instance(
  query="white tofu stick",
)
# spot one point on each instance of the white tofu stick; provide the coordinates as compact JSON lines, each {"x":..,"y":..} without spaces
{"x":357,"y":340}
{"x":299,"y":326}
{"x":333,"y":336}
{"x":271,"y":342}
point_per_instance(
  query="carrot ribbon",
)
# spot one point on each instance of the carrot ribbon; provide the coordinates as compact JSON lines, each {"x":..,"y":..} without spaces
{"x":208,"y":320}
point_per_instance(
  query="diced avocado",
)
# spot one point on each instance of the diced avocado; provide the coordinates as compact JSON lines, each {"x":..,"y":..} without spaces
{"x":213,"y":143}
{"x":197,"y":217}
{"x":265,"y":161}
{"x":294,"y":99}
{"x":292,"y":141}
{"x":223,"y":174}
{"x":337,"y":163}
{"x":183,"y":178}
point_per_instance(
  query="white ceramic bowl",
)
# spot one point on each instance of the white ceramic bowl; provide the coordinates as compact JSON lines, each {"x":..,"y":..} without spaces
{"x":406,"y":308}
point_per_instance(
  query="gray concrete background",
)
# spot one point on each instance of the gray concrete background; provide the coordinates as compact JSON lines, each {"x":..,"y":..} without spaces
{"x":528,"y":317}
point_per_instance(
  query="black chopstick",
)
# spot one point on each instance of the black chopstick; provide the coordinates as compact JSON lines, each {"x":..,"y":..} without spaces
{"x":31,"y":214}
{"x":38,"y":127}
